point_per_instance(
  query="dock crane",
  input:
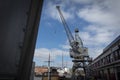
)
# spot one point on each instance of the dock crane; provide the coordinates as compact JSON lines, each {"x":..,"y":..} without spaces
{"x":75,"y":43}
{"x":77,"y":51}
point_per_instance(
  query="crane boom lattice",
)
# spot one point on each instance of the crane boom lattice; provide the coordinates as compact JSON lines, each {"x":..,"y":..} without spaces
{"x":68,"y":32}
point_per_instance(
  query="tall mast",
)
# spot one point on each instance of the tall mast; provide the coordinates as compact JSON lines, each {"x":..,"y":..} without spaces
{"x":49,"y":67}
{"x":62,"y":61}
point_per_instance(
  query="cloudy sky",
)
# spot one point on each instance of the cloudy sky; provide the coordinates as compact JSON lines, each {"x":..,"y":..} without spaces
{"x":98,"y":22}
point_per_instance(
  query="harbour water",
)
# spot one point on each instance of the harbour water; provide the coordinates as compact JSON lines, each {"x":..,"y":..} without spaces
{"x":37,"y":78}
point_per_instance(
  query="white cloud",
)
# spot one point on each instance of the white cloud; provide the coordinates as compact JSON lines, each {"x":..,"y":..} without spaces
{"x":82,"y":1}
{"x":65,"y":46}
{"x":43,"y":54}
{"x":94,"y":52}
{"x":103,"y":28}
{"x":113,"y":6}
{"x":67,"y":63}
{"x":52,"y":12}
{"x":96,"y":15}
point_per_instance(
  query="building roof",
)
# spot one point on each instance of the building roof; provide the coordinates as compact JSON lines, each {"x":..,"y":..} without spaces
{"x":40,"y":70}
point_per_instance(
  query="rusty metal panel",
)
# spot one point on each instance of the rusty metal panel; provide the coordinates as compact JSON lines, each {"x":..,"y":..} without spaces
{"x":15,"y":21}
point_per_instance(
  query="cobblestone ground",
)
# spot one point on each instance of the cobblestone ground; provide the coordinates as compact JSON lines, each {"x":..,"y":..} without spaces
{"x":37,"y":78}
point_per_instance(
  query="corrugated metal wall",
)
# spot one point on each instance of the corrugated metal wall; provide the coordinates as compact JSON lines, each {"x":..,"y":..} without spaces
{"x":19,"y":21}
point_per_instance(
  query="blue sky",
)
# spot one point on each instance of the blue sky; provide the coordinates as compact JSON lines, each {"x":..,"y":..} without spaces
{"x":97,"y":21}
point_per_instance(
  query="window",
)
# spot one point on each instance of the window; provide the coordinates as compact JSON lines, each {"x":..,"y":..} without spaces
{"x":116,"y":55}
{"x":111,"y":57}
{"x":119,"y":53}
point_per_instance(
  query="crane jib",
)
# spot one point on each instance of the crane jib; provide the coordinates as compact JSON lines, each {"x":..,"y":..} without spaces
{"x":68,"y":32}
